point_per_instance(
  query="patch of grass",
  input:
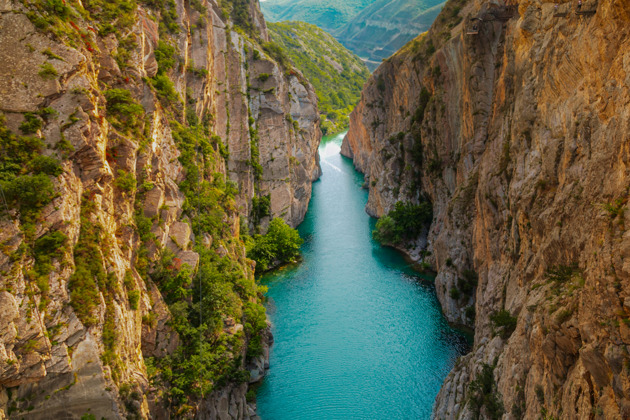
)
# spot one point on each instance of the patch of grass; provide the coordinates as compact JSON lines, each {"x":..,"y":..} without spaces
{"x":48,"y":72}
{"x":261,"y":208}
{"x":263,"y":77}
{"x":25,"y":173}
{"x":616,"y":208}
{"x":51,"y":55}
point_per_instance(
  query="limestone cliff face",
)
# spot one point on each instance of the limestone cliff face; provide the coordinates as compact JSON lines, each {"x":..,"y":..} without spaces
{"x":519,"y":136}
{"x":195,"y":86}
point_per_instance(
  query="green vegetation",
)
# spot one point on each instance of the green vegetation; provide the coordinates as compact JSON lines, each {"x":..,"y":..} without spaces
{"x":352,"y":21}
{"x":25,"y":174}
{"x":465,"y":284}
{"x":165,"y":57}
{"x":337,"y":75}
{"x":327,"y":14}
{"x":51,"y":55}
{"x":48,"y":72}
{"x":125,"y":182}
{"x":123,"y":111}
{"x":261,"y":208}
{"x":48,"y":247}
{"x":31,"y":123}
{"x":483,"y":393}
{"x":281,"y":244}
{"x":562,"y":273}
{"x":208,"y":356}
{"x":238,"y":12}
{"x":133,"y":295}
{"x":25,"y":183}
{"x":403,"y":223}
{"x":563,"y":279}
{"x":425,"y":97}
{"x":276,"y":52}
{"x":503,"y":323}
{"x":375,"y":43}
{"x":89,"y":274}
{"x":165,"y":88}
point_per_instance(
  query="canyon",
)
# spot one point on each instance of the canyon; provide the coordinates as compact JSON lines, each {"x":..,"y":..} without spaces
{"x":140,"y":143}
{"x":516,"y":130}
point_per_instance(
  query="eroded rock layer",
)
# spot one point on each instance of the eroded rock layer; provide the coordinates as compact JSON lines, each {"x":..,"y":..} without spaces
{"x":519,"y":136}
{"x":138,"y":141}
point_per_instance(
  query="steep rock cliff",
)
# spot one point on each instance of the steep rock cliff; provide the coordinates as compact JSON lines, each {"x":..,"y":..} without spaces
{"x":519,"y":137}
{"x":135,"y":137}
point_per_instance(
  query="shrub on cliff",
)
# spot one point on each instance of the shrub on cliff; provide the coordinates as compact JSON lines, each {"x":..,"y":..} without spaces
{"x":25,"y":173}
{"x":503,"y":323}
{"x":123,"y":111}
{"x":482,"y":394}
{"x":404,"y":222}
{"x":281,"y":244}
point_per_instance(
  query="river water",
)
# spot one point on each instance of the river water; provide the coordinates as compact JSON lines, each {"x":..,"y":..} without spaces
{"x":358,"y":334}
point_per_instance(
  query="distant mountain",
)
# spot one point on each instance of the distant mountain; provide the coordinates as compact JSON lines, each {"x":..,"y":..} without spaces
{"x":381,"y":29}
{"x":336,"y":73}
{"x":372,"y":29}
{"x":331,"y":15}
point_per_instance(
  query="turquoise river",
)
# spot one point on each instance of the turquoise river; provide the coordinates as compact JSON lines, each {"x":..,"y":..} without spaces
{"x":358,"y":334}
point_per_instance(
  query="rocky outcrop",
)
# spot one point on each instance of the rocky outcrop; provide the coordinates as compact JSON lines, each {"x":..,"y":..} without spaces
{"x":154,"y":119}
{"x":519,"y":137}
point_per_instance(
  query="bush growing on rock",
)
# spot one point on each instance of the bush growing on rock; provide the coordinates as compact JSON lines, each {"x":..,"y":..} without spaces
{"x":505,"y":322}
{"x":281,"y":244}
{"x":124,"y":112}
{"x":126,"y":181}
{"x":404,"y":222}
{"x":482,"y":393}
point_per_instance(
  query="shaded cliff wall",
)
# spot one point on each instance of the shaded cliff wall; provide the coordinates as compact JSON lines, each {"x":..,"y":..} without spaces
{"x":519,"y":136}
{"x":154,"y":118}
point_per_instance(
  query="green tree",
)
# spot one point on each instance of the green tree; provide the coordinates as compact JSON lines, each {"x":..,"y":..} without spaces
{"x":404,"y":222}
{"x":280,"y":244}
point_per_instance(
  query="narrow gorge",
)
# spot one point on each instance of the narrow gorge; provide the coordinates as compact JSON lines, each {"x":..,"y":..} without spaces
{"x":140,"y":144}
{"x":158,"y":156}
{"x":515,"y":128}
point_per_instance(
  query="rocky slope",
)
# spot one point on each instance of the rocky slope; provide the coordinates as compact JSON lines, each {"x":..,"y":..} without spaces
{"x":137,"y":141}
{"x":519,"y":137}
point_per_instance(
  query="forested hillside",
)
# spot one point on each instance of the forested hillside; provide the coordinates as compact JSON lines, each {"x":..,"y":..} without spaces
{"x":328,"y":14}
{"x":336,"y":73}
